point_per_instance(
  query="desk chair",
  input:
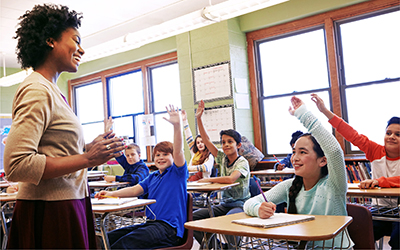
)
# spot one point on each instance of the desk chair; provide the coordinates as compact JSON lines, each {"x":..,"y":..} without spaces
{"x":188,"y":235}
{"x":361,"y":229}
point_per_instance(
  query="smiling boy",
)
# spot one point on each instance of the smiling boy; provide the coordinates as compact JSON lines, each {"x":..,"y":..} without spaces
{"x":233,"y":168}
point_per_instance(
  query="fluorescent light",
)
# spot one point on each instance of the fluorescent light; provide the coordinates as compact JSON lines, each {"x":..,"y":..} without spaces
{"x":16,"y":78}
{"x":191,"y":21}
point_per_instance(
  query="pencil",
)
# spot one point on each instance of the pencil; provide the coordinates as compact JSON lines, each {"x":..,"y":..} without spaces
{"x":259,"y":187}
{"x":277,"y":159}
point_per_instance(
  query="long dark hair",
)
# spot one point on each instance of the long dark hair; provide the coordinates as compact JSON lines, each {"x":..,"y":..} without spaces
{"x":204,"y":154}
{"x":298,"y":180}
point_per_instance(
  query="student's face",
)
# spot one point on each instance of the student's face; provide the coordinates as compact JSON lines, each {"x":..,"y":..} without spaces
{"x":229,"y":145}
{"x":67,"y":51}
{"x":392,"y":139}
{"x":305,"y":160}
{"x":200,"y":145}
{"x":163,"y":160}
{"x":132,"y":156}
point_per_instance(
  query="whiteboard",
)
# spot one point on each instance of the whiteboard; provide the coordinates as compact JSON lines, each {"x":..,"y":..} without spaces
{"x":212,"y":82}
{"x":216,"y":119}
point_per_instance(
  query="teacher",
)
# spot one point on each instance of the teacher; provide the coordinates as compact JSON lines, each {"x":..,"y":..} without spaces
{"x":45,"y":150}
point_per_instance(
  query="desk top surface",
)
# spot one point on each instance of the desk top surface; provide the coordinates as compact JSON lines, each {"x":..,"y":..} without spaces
{"x":375,"y":192}
{"x":128,"y":205}
{"x":287,"y":171}
{"x":211,"y":187}
{"x":4,"y":197}
{"x":324,"y":227}
{"x":4,"y":184}
{"x":106,"y":184}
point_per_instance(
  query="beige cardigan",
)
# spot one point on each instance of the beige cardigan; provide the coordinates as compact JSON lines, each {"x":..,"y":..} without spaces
{"x":43,"y":125}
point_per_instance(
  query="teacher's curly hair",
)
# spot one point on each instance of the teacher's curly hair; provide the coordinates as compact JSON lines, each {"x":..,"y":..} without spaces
{"x":39,"y":24}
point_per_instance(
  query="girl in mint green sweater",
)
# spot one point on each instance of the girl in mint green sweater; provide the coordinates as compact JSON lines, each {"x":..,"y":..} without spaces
{"x":313,"y":190}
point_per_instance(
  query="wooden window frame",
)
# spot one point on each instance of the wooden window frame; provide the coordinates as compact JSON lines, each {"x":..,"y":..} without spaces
{"x":327,"y":19}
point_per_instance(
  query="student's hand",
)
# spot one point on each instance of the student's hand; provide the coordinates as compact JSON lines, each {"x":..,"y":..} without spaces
{"x":108,"y":123}
{"x":280,"y":166}
{"x":296,"y":103}
{"x":173,"y":112}
{"x":102,"y":194}
{"x":204,"y":180}
{"x":321,"y":106}
{"x":369,"y":184}
{"x":266,"y":210}
{"x":109,"y":178}
{"x":12,"y":189}
{"x":183,"y":113}
{"x":200,"y":110}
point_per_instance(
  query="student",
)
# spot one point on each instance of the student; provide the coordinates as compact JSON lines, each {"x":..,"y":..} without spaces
{"x":168,"y":187}
{"x":285,"y":163}
{"x":385,"y":182}
{"x":312,"y":191}
{"x":233,"y":168}
{"x":45,"y":146}
{"x":385,"y":160}
{"x":135,"y":169}
{"x":202,"y":160}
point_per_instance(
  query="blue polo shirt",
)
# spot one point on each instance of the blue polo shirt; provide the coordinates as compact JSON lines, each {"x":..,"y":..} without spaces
{"x":169,"y":189}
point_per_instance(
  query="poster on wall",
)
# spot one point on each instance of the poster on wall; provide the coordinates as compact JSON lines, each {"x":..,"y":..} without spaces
{"x":216,"y":119}
{"x":5,"y":125}
{"x":212,"y":82}
{"x":145,"y":126}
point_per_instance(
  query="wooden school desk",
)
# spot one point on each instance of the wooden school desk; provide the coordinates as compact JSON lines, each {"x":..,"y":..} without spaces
{"x":209,"y":189}
{"x":324,"y":227}
{"x":105,"y":210}
{"x":384,"y":213}
{"x":7,"y":201}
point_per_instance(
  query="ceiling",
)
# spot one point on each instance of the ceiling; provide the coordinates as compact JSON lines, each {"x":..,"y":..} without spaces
{"x":103,"y":20}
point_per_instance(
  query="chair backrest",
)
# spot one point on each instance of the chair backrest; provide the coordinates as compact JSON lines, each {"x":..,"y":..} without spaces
{"x":253,"y":187}
{"x":188,"y":235}
{"x":214,"y":172}
{"x":361,"y":228}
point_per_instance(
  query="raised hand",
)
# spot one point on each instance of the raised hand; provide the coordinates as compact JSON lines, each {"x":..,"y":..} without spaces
{"x":173,"y":112}
{"x":200,"y":110}
{"x":321,"y":106}
{"x":184,"y":116}
{"x":108,"y":123}
{"x":296,"y":103}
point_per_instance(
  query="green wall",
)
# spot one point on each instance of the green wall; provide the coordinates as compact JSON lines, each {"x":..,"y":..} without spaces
{"x":215,"y":43}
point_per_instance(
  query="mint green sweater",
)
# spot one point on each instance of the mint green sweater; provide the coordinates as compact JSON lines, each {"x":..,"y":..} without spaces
{"x":328,"y":196}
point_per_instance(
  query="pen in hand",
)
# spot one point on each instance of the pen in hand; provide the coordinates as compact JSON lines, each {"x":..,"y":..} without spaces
{"x":277,"y":159}
{"x":259,"y":187}
{"x":106,"y":196}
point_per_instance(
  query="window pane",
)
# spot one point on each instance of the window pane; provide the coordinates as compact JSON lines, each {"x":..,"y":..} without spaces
{"x":279,"y":124}
{"x":123,"y":126}
{"x":294,"y":63}
{"x":164,"y":130}
{"x":371,"y":48}
{"x":166,"y":87}
{"x":92,"y":130}
{"x":126,"y":94}
{"x":89,"y":102}
{"x":370,"y":108}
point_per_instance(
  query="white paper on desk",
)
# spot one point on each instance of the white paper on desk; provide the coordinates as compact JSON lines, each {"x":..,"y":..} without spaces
{"x":195,"y":183}
{"x":277,"y":220}
{"x":112,"y":201}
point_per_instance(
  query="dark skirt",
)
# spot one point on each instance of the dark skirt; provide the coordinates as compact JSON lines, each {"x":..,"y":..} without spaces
{"x":64,"y":224}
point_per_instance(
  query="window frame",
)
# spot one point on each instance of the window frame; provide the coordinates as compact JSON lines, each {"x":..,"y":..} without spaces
{"x":327,"y":20}
{"x":103,"y":76}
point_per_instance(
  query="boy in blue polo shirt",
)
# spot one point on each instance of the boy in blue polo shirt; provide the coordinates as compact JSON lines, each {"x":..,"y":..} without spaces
{"x":168,"y":187}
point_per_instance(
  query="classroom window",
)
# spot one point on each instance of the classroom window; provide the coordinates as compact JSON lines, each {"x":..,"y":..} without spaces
{"x":125,"y":93}
{"x":347,"y":56}
{"x":370,"y":52}
{"x":290,"y":64}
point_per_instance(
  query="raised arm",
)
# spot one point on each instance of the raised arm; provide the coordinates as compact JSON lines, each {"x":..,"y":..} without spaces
{"x":206,"y":139}
{"x":188,"y":133}
{"x":321,"y":106}
{"x":175,"y":120}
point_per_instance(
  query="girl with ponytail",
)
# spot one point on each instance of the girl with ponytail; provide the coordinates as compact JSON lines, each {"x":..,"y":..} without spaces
{"x":313,"y":190}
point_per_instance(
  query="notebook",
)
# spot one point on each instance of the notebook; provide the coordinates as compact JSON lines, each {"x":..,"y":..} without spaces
{"x":195,"y":183}
{"x":112,"y":201}
{"x":277,"y":220}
